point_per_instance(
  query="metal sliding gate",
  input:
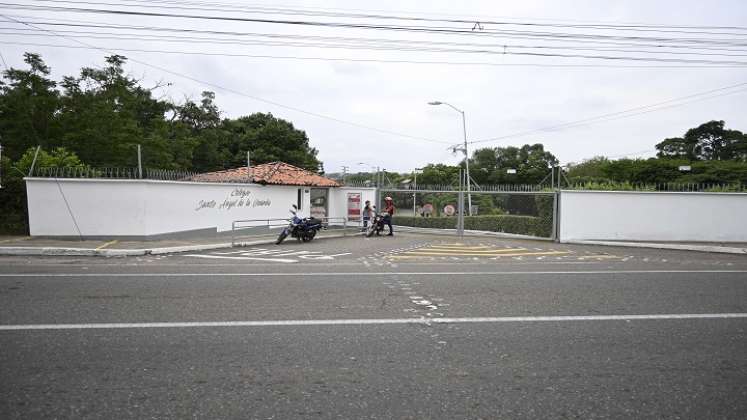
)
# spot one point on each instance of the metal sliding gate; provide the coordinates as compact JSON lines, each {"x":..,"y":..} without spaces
{"x":527,"y":210}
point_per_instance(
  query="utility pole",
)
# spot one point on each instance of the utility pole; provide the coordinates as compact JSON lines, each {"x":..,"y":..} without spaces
{"x":415,"y":190}
{"x":344,"y":173}
{"x":248,"y":167}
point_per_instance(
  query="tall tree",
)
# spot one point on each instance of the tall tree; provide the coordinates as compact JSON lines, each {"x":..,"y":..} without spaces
{"x":28,"y":103}
{"x":532,"y":163}
{"x":105,"y":114}
{"x":269,"y":139}
{"x":709,"y":141}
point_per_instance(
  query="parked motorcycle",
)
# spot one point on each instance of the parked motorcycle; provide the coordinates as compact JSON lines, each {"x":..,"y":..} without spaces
{"x":302,"y":229}
{"x":377,"y":224}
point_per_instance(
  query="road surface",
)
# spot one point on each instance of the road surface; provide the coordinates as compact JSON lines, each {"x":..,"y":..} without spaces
{"x":415,"y":326}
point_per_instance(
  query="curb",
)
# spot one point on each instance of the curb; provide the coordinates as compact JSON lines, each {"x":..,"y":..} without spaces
{"x":88,"y":252}
{"x":679,"y":247}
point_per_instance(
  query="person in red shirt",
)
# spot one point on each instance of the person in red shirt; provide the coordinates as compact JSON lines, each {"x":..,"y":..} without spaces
{"x":389,"y":209}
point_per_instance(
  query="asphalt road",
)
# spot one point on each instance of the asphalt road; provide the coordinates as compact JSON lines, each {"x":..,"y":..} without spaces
{"x":404,"y":327}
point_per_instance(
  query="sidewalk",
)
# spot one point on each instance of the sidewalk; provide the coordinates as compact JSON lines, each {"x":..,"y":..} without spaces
{"x":718,"y":247}
{"x":26,"y":245}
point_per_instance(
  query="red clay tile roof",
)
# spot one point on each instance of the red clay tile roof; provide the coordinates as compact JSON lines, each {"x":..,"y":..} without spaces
{"x":278,"y":173}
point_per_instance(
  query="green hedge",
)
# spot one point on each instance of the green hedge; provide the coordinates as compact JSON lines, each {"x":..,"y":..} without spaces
{"x":522,"y":225}
{"x":540,"y":225}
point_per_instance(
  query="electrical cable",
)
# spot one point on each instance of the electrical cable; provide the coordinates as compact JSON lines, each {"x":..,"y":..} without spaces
{"x":256,"y":98}
{"x":379,"y":45}
{"x":310,"y":12}
{"x":349,"y":25}
{"x":392,"y":61}
{"x":626,"y":113}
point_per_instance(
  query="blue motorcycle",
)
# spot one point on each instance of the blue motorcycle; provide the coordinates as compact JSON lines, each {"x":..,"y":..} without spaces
{"x":302,"y":229}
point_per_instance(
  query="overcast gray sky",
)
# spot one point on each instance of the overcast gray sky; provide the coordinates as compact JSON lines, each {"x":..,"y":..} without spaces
{"x":517,"y":94}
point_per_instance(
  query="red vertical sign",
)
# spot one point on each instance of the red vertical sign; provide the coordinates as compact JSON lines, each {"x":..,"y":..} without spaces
{"x":354,"y":206}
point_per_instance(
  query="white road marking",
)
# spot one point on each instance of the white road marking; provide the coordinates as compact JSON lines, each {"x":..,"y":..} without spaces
{"x":224,"y":257}
{"x":328,"y":322}
{"x":374,"y":274}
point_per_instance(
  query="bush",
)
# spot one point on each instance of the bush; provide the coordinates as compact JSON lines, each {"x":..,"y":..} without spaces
{"x":613,"y":186}
{"x":522,"y":225}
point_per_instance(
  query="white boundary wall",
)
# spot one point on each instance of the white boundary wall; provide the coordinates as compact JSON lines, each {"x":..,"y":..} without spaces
{"x":338,"y":199}
{"x":653,"y":216}
{"x":106,"y":207}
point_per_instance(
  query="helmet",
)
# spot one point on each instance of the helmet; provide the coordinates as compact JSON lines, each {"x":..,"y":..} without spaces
{"x":387,"y":198}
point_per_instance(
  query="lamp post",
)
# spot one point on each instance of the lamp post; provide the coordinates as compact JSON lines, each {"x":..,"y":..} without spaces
{"x":415,"y":189}
{"x":376,"y":180}
{"x":464,"y":149}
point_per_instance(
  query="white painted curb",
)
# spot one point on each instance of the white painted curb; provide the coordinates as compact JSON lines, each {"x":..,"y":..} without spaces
{"x":88,"y":252}
{"x":681,"y":247}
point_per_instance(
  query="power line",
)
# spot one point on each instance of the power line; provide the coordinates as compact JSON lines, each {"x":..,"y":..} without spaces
{"x":492,"y":52}
{"x":629,"y":112}
{"x":79,"y":23}
{"x":256,"y":98}
{"x":282,"y":10}
{"x":470,"y":19}
{"x":366,"y":43}
{"x":637,"y":43}
{"x":371,"y":60}
{"x":349,"y":25}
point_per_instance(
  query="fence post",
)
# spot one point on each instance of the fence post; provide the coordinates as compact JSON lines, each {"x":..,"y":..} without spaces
{"x":233,"y":229}
{"x":33,"y":162}
{"x":555,"y":197}
{"x":139,"y":163}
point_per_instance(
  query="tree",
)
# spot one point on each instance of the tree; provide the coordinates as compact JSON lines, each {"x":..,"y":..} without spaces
{"x":59,"y":157}
{"x":709,"y":141}
{"x":532,"y":164}
{"x":28,"y":103}
{"x":105,"y":114}
{"x":439,"y":174}
{"x":269,"y":139}
{"x":588,"y":170}
{"x":13,"y":194}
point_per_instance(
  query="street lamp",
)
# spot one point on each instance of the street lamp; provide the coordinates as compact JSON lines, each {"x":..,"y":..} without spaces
{"x":376,"y":180}
{"x":466,"y":152}
{"x":415,"y":189}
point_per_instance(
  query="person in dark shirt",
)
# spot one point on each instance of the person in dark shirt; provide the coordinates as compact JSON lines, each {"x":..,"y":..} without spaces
{"x":389,"y":209}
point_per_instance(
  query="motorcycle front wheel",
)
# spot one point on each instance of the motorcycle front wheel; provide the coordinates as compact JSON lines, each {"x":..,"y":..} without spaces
{"x":282,"y":236}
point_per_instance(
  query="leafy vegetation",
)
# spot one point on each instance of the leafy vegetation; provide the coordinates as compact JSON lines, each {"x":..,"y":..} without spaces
{"x":100,"y":116}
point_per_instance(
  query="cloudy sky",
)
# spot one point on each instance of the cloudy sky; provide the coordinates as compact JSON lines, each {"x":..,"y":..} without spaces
{"x":362,"y":93}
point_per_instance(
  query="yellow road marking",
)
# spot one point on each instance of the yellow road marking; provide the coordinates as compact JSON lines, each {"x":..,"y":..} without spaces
{"x":535,"y":253}
{"x":457,"y":247}
{"x":468,"y":250}
{"x":107,"y":244}
{"x":509,"y":253}
{"x":597,"y":256}
{"x":25,"y":238}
